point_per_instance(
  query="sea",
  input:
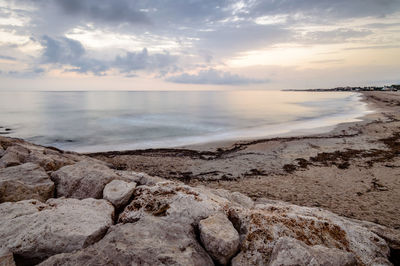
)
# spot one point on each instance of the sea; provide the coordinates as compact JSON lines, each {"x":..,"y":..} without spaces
{"x":95,"y":121}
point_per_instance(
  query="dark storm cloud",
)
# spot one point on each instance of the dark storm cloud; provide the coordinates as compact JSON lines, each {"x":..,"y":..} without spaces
{"x":214,"y":77}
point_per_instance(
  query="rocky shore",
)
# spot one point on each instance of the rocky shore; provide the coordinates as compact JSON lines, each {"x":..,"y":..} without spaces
{"x":63,"y":208}
{"x":352,"y":171}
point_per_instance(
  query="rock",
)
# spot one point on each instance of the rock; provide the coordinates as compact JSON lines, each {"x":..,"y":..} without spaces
{"x":9,"y":159}
{"x":140,"y":178}
{"x":262,"y":226}
{"x":26,"y":181}
{"x":2,"y":151}
{"x":289,"y":251}
{"x":150,"y":241}
{"x":50,"y":160}
{"x":85,"y":179}
{"x":14,"y":155}
{"x":172,"y":201}
{"x":118,"y":192}
{"x":219,"y":237}
{"x":6,"y":257}
{"x":391,"y":236}
{"x":34,"y":231}
{"x":235,"y":198}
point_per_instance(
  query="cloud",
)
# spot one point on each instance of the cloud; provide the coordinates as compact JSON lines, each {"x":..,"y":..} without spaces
{"x":24,"y":74}
{"x":325,"y":9}
{"x":327,"y":61}
{"x":69,"y":53}
{"x":178,"y":34}
{"x":6,"y":57}
{"x":214,"y":77}
{"x":132,"y":61}
{"x":103,"y":10}
{"x":63,"y":50}
{"x":374,"y":47}
{"x":228,"y":39}
{"x":333,"y":36}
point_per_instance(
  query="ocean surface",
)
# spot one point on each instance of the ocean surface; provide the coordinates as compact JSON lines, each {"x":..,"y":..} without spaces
{"x":91,"y":121}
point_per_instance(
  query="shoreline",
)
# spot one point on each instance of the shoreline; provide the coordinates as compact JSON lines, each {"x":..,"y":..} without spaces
{"x":210,"y":147}
{"x":358,"y":159}
{"x":215,"y":144}
{"x":349,"y":180}
{"x":307,"y":122}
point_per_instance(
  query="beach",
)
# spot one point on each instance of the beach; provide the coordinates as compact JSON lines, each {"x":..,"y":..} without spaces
{"x":277,"y":201}
{"x":352,"y":170}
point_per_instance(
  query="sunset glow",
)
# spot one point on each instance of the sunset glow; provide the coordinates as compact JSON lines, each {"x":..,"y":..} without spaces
{"x":197,"y":45}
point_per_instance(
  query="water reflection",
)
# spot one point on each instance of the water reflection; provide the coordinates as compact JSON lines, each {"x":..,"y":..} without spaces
{"x":123,"y":120}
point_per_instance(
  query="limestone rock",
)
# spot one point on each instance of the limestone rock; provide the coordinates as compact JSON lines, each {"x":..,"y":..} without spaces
{"x":118,"y":192}
{"x":262,"y":226}
{"x":140,"y":178}
{"x":14,"y":155}
{"x":9,"y":159}
{"x":34,"y":231}
{"x":173,"y":201}
{"x":85,"y":179}
{"x":49,"y":159}
{"x":150,"y":241}
{"x":219,"y":237}
{"x":289,"y":251}
{"x":6,"y":257}
{"x":391,"y":236}
{"x":2,"y":151}
{"x":26,"y":181}
{"x":235,"y":198}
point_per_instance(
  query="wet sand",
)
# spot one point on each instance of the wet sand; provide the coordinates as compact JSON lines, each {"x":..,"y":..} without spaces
{"x":354,"y":170}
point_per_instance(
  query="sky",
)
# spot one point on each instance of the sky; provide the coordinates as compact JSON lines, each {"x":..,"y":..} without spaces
{"x":198,"y":44}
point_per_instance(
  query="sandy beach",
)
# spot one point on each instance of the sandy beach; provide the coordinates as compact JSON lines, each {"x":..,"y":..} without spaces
{"x":354,"y":170}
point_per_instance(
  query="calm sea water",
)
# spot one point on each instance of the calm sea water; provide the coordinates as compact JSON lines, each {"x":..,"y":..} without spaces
{"x":90,"y":121}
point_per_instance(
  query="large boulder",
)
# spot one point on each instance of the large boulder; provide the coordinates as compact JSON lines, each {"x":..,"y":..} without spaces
{"x":50,"y":159}
{"x":85,"y":179}
{"x":261,"y":228}
{"x":172,"y":201}
{"x":150,"y":241}
{"x":219,"y":237}
{"x":14,"y":155}
{"x":118,"y":192}
{"x":33,"y":230}
{"x":289,"y":251}
{"x":26,"y":181}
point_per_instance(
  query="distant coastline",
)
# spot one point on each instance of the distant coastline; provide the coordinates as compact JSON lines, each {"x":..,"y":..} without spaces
{"x":393,"y":87}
